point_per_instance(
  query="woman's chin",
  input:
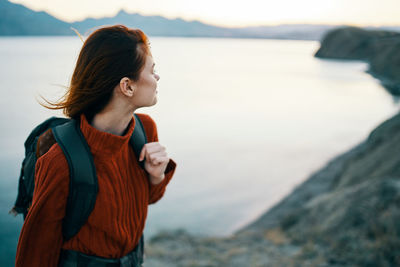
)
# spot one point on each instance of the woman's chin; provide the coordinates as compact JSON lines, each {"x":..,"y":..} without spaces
{"x":155,"y":100}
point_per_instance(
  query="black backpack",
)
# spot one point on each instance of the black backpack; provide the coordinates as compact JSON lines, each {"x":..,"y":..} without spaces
{"x":83,"y":179}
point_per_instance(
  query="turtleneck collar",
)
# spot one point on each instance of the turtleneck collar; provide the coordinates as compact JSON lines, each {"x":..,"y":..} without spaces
{"x":103,"y":142}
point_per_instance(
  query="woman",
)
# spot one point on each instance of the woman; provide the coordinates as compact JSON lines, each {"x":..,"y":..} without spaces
{"x":114,"y":76}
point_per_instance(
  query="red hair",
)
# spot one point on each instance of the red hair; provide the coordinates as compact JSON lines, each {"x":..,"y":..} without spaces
{"x":108,"y":55}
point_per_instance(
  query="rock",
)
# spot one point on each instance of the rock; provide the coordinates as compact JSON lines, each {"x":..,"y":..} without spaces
{"x":351,"y":208}
{"x":353,"y":43}
{"x":385,"y":65}
{"x":381,"y":49}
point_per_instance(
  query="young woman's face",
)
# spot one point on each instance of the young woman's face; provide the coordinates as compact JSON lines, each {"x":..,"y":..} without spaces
{"x":146,"y":86}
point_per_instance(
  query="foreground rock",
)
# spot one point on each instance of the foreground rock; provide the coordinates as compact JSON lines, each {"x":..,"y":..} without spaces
{"x":346,"y":214}
{"x":381,"y":49}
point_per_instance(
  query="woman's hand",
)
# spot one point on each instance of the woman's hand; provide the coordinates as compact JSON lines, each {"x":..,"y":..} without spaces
{"x":156,"y":161}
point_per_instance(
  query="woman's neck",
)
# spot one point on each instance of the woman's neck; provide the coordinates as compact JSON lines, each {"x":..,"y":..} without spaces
{"x":112,"y":122}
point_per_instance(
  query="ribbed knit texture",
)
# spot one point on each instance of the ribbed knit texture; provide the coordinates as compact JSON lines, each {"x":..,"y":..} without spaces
{"x":116,"y":224}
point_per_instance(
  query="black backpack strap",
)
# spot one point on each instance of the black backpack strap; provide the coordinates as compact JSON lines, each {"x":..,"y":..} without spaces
{"x":138,"y":139}
{"x":83,"y":179}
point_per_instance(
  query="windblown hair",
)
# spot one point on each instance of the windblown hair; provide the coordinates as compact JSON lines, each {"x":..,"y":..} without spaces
{"x":108,"y":54}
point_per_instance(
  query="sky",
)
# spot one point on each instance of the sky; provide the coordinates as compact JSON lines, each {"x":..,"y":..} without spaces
{"x":233,"y":13}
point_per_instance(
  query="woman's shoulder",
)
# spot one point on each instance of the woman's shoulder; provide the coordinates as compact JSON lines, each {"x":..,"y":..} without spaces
{"x":149,"y":125}
{"x":55,"y":159}
{"x":52,"y":172}
{"x":146,"y":119}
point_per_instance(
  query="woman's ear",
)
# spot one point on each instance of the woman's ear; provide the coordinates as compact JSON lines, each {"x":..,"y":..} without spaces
{"x":127,"y":86}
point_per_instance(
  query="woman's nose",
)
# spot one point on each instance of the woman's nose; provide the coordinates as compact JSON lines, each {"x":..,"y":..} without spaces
{"x":157,"y":77}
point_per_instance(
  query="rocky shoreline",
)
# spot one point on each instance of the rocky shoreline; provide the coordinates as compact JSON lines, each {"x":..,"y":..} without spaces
{"x":345,"y":214}
{"x":381,"y":49}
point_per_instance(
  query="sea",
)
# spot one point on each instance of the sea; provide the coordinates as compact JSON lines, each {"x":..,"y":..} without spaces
{"x":246,"y":121}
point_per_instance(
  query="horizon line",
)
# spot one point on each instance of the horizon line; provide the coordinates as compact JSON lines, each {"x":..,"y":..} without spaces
{"x":260,"y":24}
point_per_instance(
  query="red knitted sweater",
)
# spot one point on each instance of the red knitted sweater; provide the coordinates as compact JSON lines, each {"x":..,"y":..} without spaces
{"x":116,"y":224}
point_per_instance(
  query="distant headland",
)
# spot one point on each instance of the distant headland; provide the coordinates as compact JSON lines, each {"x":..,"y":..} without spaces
{"x":381,"y":49}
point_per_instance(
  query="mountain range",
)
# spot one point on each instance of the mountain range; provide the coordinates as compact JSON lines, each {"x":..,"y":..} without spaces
{"x":18,"y":20}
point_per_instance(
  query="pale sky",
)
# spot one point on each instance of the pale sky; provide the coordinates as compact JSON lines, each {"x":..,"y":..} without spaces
{"x":231,"y":13}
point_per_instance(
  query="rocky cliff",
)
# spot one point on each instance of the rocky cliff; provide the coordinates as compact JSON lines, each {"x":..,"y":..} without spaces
{"x":346,"y":214}
{"x":381,"y":49}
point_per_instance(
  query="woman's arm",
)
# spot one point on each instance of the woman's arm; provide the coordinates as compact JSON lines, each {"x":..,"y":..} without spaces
{"x":157,"y":190}
{"x":41,"y":238}
{"x":157,"y":183}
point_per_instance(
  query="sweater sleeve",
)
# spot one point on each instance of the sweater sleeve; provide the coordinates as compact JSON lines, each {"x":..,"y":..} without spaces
{"x":157,"y":191}
{"x":40,"y":240}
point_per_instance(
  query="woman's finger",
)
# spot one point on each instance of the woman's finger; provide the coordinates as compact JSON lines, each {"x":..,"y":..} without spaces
{"x":146,"y":150}
{"x":153,"y":158}
{"x":157,"y":154}
{"x":160,"y":160}
{"x":142,"y":153}
{"x":155,"y":146}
